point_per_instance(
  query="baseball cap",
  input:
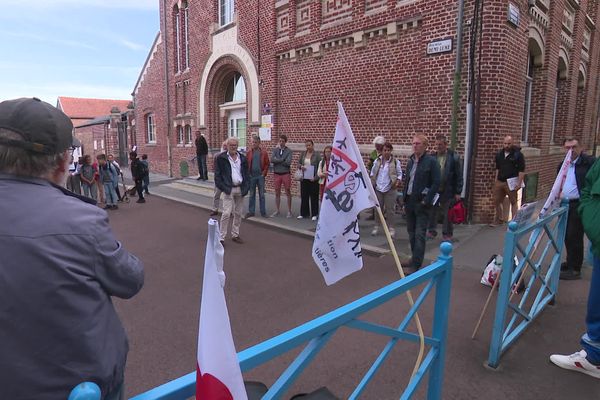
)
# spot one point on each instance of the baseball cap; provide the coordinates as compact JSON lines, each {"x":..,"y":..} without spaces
{"x":379,"y":140}
{"x":44,"y":128}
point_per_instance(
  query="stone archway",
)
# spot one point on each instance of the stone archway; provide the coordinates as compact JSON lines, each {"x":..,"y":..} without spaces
{"x":226,"y":46}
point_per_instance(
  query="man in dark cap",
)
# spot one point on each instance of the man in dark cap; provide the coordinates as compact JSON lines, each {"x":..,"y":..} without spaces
{"x":60,"y":265}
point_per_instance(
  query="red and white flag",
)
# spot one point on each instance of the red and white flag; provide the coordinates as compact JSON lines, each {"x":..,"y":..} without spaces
{"x":218,"y":374}
{"x":336,"y":249}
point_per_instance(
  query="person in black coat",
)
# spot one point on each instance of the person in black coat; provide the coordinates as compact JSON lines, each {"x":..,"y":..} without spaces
{"x":421,"y":183}
{"x":232,"y":178}
{"x":574,"y":182}
{"x":201,"y":154}
{"x":451,"y":185}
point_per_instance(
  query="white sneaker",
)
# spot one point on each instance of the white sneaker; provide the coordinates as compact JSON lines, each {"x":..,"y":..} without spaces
{"x":299,"y":217}
{"x":375,"y":231}
{"x":275,"y":214}
{"x":289,"y":214}
{"x":314,"y":218}
{"x":392,"y":232}
{"x":576,"y":362}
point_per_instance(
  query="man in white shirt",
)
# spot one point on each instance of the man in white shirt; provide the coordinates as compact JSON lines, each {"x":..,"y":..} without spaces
{"x":386,"y":175}
{"x":231,"y":177}
{"x":574,"y":182}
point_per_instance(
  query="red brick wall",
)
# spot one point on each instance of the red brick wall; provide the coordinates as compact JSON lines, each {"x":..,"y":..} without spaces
{"x":387,"y":82}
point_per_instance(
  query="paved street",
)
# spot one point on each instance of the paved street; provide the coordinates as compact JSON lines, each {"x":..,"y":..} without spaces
{"x":273,"y":285}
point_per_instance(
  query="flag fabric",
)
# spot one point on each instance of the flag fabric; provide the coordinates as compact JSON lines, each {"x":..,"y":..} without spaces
{"x":218,"y":374}
{"x":336,"y":249}
{"x":555,"y":195}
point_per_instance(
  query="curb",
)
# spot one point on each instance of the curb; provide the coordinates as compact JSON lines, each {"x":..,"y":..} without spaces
{"x":372,"y":250}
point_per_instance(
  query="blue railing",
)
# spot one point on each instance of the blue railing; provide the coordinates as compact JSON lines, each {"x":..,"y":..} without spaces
{"x":316,"y":333}
{"x":535,"y":276}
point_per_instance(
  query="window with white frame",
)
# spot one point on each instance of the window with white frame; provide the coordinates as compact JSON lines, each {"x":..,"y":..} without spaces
{"x":150,"y":129}
{"x":587,"y":34}
{"x":226,"y":10}
{"x":568,"y":18}
{"x":179,"y":134}
{"x":186,"y":43}
{"x":177,"y":25}
{"x":188,"y":134}
{"x":527,"y":107}
{"x":236,"y":89}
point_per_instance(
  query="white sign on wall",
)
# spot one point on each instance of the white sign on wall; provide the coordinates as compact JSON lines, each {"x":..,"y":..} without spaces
{"x":439,"y":46}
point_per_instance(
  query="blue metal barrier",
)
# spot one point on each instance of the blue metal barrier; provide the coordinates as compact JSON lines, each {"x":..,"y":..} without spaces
{"x":541,"y":283}
{"x":318,"y":331}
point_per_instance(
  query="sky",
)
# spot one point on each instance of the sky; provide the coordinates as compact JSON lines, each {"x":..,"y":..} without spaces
{"x":74,"y":48}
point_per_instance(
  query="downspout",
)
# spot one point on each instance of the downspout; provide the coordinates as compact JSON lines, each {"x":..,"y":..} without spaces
{"x":457,"y":74}
{"x":165,"y":41}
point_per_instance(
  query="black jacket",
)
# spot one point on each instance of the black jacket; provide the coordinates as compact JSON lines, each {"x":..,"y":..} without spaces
{"x":223,"y":173}
{"x":509,"y":167}
{"x":451,"y":176}
{"x":427,"y":176}
{"x":582,"y":166}
{"x":201,"y":146}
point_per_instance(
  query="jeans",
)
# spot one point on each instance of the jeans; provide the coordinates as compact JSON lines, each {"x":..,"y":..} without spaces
{"x":110,"y":194}
{"x":254,"y":182}
{"x":447,"y":226}
{"x":145,"y":183}
{"x":90,"y":190}
{"x":139,"y":186}
{"x":591,"y":339}
{"x":574,"y":238}
{"x":202,"y":168}
{"x":417,"y":219}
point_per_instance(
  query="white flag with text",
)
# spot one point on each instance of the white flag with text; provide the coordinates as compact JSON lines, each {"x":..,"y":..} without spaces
{"x":336,"y":249}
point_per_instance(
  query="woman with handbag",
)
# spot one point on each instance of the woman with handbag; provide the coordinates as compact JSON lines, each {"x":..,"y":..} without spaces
{"x":322,"y":170}
{"x":308,"y":163}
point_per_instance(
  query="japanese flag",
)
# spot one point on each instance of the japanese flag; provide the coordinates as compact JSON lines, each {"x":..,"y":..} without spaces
{"x":218,"y":374}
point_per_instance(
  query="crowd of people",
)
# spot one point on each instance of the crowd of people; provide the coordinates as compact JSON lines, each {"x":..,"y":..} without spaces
{"x":102,"y":179}
{"x":46,"y":228}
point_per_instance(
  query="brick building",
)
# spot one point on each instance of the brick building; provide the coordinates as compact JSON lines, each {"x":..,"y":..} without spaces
{"x":527,"y":68}
{"x":100,"y":124}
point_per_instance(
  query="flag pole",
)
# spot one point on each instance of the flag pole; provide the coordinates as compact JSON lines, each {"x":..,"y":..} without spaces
{"x":408,"y":293}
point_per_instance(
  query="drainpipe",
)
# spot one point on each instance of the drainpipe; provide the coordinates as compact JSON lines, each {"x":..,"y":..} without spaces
{"x":457,"y":73}
{"x":168,"y":99}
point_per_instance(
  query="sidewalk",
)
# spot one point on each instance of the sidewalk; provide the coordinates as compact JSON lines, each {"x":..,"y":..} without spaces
{"x":474,"y":243}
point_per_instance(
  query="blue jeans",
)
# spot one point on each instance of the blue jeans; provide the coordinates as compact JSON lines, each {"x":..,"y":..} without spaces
{"x":254,"y":182}
{"x":202,"y":168}
{"x":591,"y":339}
{"x":110,"y":194}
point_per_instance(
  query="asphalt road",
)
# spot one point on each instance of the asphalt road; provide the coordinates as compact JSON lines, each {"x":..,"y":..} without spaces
{"x":273,"y":286}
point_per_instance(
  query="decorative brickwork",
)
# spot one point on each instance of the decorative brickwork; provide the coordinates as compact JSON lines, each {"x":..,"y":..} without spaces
{"x":298,"y":57}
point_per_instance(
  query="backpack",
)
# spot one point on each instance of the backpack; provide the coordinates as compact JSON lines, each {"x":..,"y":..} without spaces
{"x":457,"y":214}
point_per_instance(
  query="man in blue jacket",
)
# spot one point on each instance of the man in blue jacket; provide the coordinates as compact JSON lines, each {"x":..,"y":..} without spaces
{"x":60,"y":266}
{"x":421,"y":183}
{"x":231,"y":177}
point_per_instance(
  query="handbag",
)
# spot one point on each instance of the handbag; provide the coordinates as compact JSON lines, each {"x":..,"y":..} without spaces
{"x":298,"y":175}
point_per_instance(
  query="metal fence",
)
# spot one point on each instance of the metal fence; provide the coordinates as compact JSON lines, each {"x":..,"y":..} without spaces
{"x":526,"y":289}
{"x":316,"y":333}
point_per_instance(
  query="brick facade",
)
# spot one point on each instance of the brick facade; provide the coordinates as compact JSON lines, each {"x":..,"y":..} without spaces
{"x":301,"y":56}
